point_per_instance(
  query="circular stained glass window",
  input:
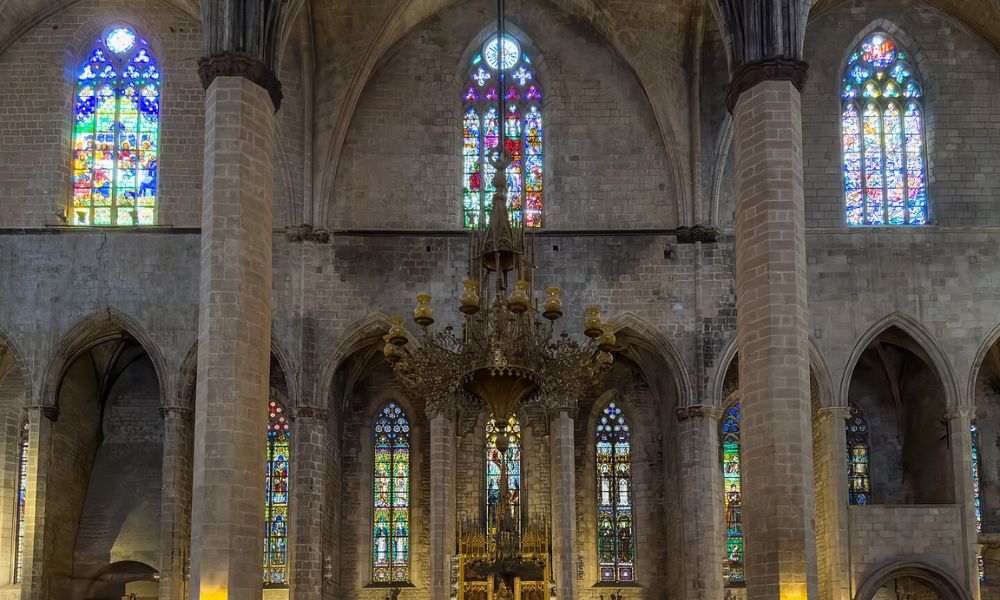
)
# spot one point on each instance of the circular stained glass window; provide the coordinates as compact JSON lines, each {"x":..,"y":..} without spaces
{"x":120,"y":39}
{"x":511,"y":52}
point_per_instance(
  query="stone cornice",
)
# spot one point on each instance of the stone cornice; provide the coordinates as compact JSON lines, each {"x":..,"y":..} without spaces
{"x":697,"y":233}
{"x":182,"y":412}
{"x":778,"y":68}
{"x":239,"y":64}
{"x":307,"y":233}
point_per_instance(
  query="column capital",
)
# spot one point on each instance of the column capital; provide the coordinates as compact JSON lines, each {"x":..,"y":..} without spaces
{"x":240,"y":64}
{"x":699,"y":411}
{"x":177,"y":412}
{"x":832,"y":412}
{"x":311,"y":413}
{"x":776,"y":68}
{"x":963,"y":412}
{"x":49,"y":411}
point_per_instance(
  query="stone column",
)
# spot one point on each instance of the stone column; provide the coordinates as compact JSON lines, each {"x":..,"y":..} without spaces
{"x":562,"y":451}
{"x":772,"y":332}
{"x":960,"y":436}
{"x":234,"y":335}
{"x":832,"y":541}
{"x":442,"y":509}
{"x":175,"y":504}
{"x":701,"y":501}
{"x":34,"y":578}
{"x":308,"y":502}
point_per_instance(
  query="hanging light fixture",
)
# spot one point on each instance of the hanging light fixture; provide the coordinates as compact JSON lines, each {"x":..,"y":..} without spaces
{"x":507,"y":351}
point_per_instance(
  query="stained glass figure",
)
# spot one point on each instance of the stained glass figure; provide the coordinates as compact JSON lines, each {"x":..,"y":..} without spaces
{"x":279,"y":445}
{"x":859,"y":482}
{"x":733,"y":571}
{"x":22,"y":491}
{"x":518,"y":82}
{"x":976,"y":492}
{"x":494,"y":460}
{"x":391,"y":516}
{"x":885,"y":178}
{"x":116,"y":133}
{"x":615,"y":526}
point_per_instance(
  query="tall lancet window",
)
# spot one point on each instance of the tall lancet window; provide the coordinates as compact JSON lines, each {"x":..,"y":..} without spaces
{"x":279,"y":445}
{"x":976,"y":491}
{"x":517,"y":80}
{"x":116,"y":131}
{"x":494,"y":460}
{"x":391,"y":517}
{"x":21,"y":499}
{"x":732,"y":566}
{"x":882,"y":117}
{"x":615,"y":537}
{"x":859,"y":481}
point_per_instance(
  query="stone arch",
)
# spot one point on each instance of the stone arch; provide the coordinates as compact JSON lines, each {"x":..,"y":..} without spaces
{"x":114,"y":578}
{"x":103,"y":325}
{"x":15,"y":378}
{"x":644,"y":335}
{"x":83,"y":38}
{"x":405,"y":17}
{"x":820,"y":378}
{"x":929,"y":346}
{"x":358,"y":335}
{"x":991,"y":340}
{"x":935,"y":577}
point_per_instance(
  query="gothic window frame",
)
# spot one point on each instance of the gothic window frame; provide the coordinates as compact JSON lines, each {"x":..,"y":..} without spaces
{"x":394,"y":415}
{"x":976,"y":458}
{"x":525,"y":134}
{"x":730,"y":432}
{"x":880,"y":86}
{"x":516,"y":446}
{"x":120,"y":190}
{"x":859,"y":457}
{"x":613,"y":429}
{"x":279,"y":435}
{"x":20,"y":500}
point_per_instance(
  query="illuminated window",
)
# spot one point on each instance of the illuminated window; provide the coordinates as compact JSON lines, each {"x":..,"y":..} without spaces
{"x":733,"y":571}
{"x":494,"y":460}
{"x":859,"y":481}
{"x":115,"y":135}
{"x":518,"y":81}
{"x":22,"y":491}
{"x":615,"y":536}
{"x":882,"y":119}
{"x":279,"y":445}
{"x":977,"y":495}
{"x":391,"y":518}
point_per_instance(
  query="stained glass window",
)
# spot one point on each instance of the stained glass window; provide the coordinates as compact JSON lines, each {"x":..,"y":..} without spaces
{"x":279,"y":445}
{"x":391,"y":519}
{"x":22,"y":491}
{"x":885,"y":175}
{"x":976,"y":492}
{"x":522,"y":94}
{"x":115,"y":135}
{"x":733,"y":566}
{"x":859,"y":482}
{"x":615,"y":538}
{"x":494,"y":460}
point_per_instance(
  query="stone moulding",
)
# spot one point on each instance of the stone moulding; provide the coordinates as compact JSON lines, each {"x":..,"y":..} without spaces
{"x":238,"y":64}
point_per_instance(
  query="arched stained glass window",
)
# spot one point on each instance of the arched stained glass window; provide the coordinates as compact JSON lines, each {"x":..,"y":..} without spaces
{"x":976,"y":490}
{"x":391,"y":518}
{"x":885,"y":174}
{"x":518,"y":81}
{"x":279,"y":445}
{"x":615,"y":537}
{"x":22,"y":491}
{"x":733,"y":566}
{"x":115,"y":135}
{"x":494,"y":459}
{"x":859,"y":480}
